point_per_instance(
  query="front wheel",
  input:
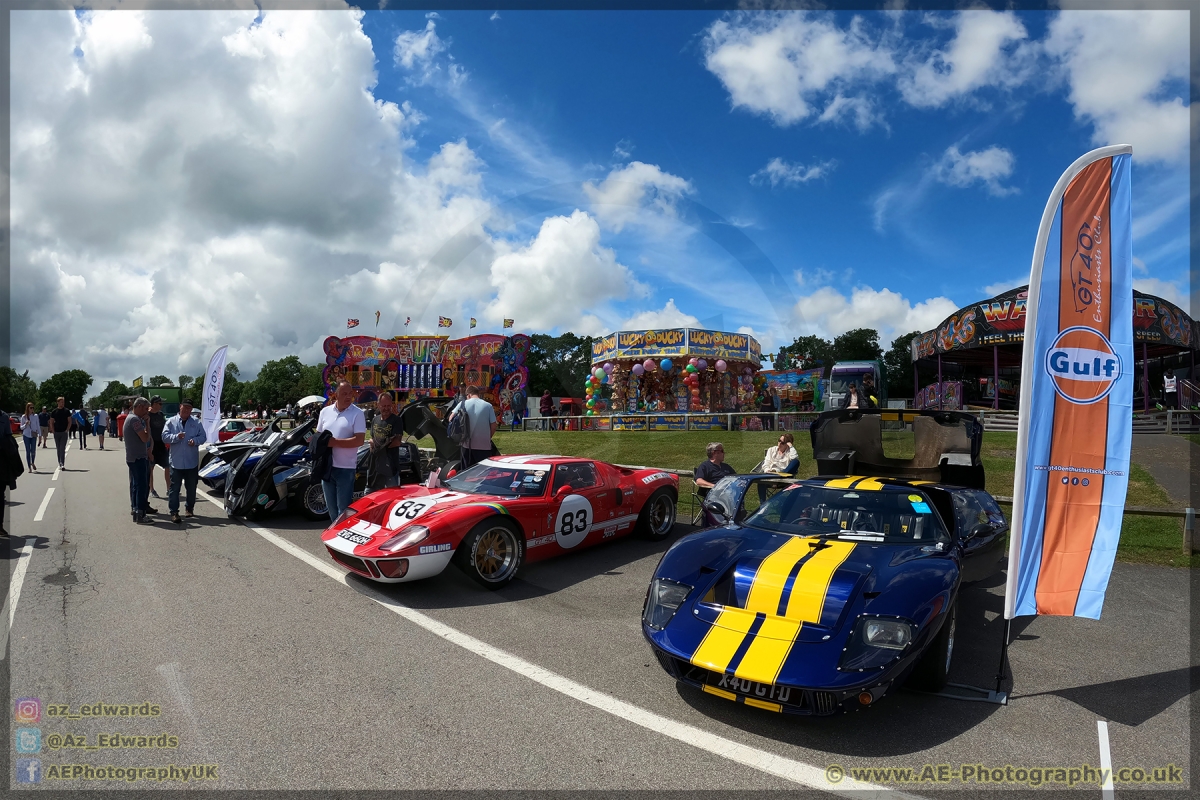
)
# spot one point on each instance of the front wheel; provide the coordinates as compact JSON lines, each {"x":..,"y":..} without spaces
{"x":312,"y":502}
{"x":933,"y":670}
{"x":492,"y":552}
{"x":658,"y":516}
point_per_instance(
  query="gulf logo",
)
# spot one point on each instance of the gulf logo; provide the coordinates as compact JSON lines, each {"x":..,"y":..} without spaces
{"x":1083,"y":366}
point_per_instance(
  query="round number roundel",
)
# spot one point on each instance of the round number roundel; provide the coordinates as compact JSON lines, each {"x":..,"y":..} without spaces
{"x":1082,"y":365}
{"x":573,"y":520}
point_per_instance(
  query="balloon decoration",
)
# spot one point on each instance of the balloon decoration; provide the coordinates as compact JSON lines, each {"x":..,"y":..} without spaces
{"x":666,"y":364}
{"x":638,"y":369}
{"x":649,"y":365}
{"x":721,"y":365}
{"x":702,"y":364}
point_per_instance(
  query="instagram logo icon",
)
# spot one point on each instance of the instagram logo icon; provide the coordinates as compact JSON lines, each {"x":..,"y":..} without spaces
{"x":28,"y":709}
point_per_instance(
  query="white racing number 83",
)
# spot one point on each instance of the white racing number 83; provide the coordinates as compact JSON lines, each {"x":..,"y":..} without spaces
{"x":573,"y":521}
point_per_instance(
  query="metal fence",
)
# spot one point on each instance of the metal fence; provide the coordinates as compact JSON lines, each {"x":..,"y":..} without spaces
{"x":1168,"y":421}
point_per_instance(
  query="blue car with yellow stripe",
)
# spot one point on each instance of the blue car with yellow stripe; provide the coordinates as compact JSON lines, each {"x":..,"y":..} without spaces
{"x":835,"y":589}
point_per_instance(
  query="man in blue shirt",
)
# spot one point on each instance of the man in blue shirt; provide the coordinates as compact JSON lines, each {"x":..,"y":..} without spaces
{"x":183,"y":434}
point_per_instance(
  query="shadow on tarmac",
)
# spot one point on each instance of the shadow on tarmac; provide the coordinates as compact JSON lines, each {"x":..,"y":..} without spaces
{"x":1132,"y":701}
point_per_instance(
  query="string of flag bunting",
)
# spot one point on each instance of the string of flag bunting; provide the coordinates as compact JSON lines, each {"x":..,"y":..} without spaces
{"x":443,"y":322}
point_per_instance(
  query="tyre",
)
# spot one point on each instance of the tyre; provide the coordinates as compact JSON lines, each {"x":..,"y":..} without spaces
{"x":492,"y":552}
{"x":658,"y":516}
{"x":312,"y":502}
{"x":933,"y":669}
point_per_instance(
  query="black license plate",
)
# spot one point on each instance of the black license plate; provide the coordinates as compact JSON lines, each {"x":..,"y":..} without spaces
{"x":759,"y":691}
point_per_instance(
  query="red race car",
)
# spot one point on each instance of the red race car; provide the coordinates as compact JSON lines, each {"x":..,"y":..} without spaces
{"x":500,"y":513}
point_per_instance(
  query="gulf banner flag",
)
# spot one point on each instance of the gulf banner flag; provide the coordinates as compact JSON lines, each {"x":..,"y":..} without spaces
{"x":445,"y":322}
{"x":1076,"y":411}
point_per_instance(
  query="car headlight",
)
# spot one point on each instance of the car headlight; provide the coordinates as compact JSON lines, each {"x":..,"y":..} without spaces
{"x":405,"y":538}
{"x":666,"y":596}
{"x":876,"y":642}
{"x":887,"y":633}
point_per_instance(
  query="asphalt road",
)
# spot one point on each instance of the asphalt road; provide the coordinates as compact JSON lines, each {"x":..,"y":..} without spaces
{"x":290,"y":676}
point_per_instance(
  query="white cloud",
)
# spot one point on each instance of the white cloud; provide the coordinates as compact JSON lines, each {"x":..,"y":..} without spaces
{"x":989,"y":167}
{"x":783,"y":64}
{"x":827,"y":312}
{"x":417,"y":51}
{"x":859,"y":109}
{"x":998,"y":287}
{"x":778,"y":171}
{"x":200,"y":179}
{"x":669,"y":316}
{"x":1167,"y":290}
{"x":418,"y":48}
{"x":623,"y":150}
{"x":561,"y":279}
{"x":980,"y":54}
{"x":628,"y":193}
{"x":1127,"y":73}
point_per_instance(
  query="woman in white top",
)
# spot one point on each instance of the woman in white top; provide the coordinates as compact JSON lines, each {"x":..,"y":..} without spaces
{"x":782,"y":457}
{"x":31,"y":428}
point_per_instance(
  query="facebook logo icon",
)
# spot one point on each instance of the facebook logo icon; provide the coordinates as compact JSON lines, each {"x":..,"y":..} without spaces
{"x":29,"y":770}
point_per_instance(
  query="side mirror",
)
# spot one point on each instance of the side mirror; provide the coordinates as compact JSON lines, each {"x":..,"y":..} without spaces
{"x":716,"y":508}
{"x":982,"y":529}
{"x":562,"y":492}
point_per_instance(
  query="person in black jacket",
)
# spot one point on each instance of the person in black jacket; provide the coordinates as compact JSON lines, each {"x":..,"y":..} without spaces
{"x":10,"y":466}
{"x":856,"y":398}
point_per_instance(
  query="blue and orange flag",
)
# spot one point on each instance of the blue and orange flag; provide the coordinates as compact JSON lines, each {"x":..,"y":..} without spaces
{"x":445,"y":322}
{"x":1076,"y":407}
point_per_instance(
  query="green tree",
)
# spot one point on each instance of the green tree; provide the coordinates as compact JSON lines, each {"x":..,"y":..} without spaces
{"x":860,"y":344}
{"x":898,"y":359}
{"x":70,"y":384}
{"x":160,"y":380}
{"x":558,"y":363}
{"x":108,"y":397}
{"x":278,"y":382}
{"x":311,"y":381}
{"x":16,"y":390}
{"x":185,"y":381}
{"x":806,"y":352}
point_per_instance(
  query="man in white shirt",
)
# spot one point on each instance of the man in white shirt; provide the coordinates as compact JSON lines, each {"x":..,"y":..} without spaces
{"x":481,"y":422}
{"x":1170,"y":396}
{"x":100,"y":420}
{"x":348,"y":427}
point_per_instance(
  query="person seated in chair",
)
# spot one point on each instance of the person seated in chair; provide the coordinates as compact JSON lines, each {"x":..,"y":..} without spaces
{"x":781,"y":458}
{"x":707,"y":474}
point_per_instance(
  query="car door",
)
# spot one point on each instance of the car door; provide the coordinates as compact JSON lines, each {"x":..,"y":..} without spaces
{"x":981,"y":555}
{"x":584,"y":508}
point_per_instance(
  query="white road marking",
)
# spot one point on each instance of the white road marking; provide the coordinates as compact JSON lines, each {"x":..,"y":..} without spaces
{"x":796,"y":771}
{"x":1106,"y":789}
{"x":56,"y":471}
{"x":9,"y":610}
{"x":42,"y":508}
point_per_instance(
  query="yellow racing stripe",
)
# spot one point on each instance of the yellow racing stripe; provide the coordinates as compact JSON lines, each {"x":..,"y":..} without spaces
{"x":808,"y":591}
{"x":869,"y":485}
{"x":770,"y":648}
{"x":772,"y":575}
{"x":723,"y":639}
{"x":719,"y":692}
{"x":842,"y":483}
{"x":750,"y":701}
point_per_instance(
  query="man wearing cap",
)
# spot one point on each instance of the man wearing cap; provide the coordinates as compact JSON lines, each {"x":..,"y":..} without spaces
{"x":183,"y":434}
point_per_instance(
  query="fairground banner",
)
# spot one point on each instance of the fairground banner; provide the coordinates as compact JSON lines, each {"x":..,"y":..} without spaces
{"x":1076,"y":416}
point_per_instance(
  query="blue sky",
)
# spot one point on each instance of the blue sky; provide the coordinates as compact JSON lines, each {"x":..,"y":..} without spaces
{"x":868,"y":169}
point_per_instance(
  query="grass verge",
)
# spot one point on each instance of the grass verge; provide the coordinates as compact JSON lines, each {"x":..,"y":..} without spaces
{"x":1146,"y":540}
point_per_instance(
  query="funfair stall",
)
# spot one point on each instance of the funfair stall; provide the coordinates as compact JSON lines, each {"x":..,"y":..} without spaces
{"x":984,"y":343}
{"x":676,"y":369}
{"x":431,"y":366}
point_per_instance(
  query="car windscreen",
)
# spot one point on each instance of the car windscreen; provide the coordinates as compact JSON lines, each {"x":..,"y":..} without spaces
{"x":890,"y":517}
{"x":840,"y":382}
{"x":520,"y":479}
